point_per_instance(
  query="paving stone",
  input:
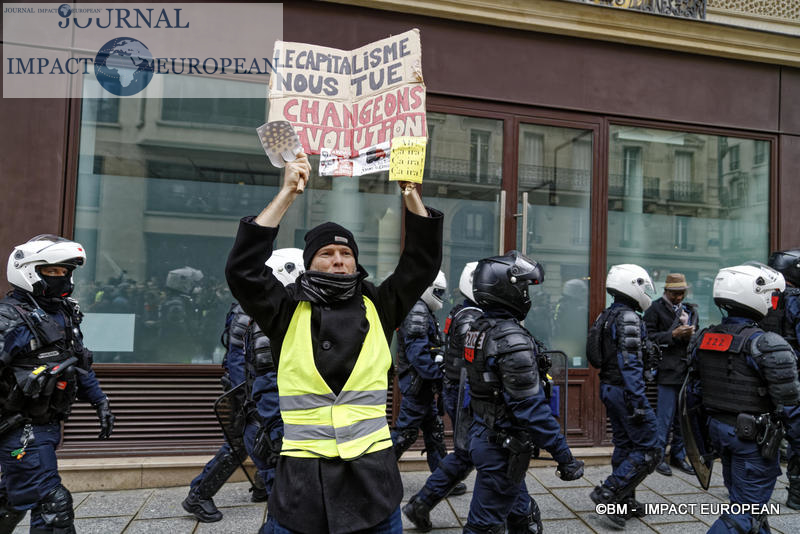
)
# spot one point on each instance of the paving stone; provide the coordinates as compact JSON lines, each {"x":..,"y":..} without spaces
{"x":459,"y":504}
{"x":682,"y":528}
{"x":786,"y":524}
{"x":779,"y":497}
{"x":566,"y":526}
{"x":113,"y":503}
{"x":596,"y":474}
{"x":552,"y":508}
{"x":102,"y":525}
{"x":442,"y":517}
{"x":632,"y":526}
{"x":413,"y":482}
{"x":547,"y":476}
{"x":533,"y":485}
{"x":668,"y":485}
{"x":576,"y":499}
{"x":236,"y":519}
{"x":175,"y":525}
{"x":235,"y":494}
{"x":165,"y":502}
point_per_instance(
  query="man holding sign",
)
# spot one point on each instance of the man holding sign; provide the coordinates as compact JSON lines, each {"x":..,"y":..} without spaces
{"x":330,"y":334}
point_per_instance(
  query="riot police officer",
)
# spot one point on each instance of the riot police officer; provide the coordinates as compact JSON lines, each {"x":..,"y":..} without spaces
{"x":615,"y":345}
{"x":44,"y":366}
{"x":784,"y":319}
{"x":419,"y":371}
{"x":455,"y":466}
{"x":745,"y":377}
{"x":510,"y":412}
{"x":248,"y":360}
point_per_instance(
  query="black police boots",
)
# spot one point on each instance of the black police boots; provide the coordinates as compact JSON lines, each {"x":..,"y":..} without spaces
{"x":635,"y":508}
{"x":603,"y":495}
{"x":418,"y":513}
{"x":258,"y":493}
{"x":204,"y":510}
{"x":458,"y":489}
{"x":526,"y":524}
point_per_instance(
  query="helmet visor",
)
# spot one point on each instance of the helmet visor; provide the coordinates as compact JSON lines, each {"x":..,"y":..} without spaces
{"x":527,"y":270}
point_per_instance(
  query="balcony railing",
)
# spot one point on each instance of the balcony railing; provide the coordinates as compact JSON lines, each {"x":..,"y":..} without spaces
{"x":463,"y":170}
{"x":685,"y":192}
{"x":538,"y":176}
{"x":651,"y":186}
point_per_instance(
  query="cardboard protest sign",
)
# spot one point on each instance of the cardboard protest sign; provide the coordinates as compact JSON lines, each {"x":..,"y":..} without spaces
{"x":280,"y":142}
{"x":407,"y":159}
{"x":349,"y":101}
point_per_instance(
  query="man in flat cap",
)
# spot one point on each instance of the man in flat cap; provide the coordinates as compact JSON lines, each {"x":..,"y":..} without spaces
{"x":671,"y":322}
{"x":330,"y":334}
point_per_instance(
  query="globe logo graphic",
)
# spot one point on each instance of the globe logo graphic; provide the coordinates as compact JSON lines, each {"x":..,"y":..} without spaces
{"x":64,"y":10}
{"x":124,"y":66}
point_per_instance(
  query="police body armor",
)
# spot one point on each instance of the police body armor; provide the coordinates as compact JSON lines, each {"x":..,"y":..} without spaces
{"x":416,"y":324}
{"x":456,"y":327}
{"x":777,"y":320}
{"x":730,"y":386}
{"x":257,"y":357}
{"x":514,"y":351}
{"x":601,"y":347}
{"x":41,"y":384}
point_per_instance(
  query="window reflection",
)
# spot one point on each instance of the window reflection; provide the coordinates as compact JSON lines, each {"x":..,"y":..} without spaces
{"x":687,"y":202}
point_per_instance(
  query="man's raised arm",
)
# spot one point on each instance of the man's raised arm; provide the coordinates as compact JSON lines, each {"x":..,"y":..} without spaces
{"x":295,"y":179}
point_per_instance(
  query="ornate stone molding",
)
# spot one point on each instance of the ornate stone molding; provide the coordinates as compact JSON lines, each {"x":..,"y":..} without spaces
{"x":608,"y":24}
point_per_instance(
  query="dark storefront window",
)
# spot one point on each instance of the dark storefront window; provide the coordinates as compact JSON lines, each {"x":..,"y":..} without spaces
{"x":690,"y":203}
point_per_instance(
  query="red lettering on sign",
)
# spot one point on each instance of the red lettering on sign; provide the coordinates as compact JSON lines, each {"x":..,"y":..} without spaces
{"x":469,"y":354}
{"x":718,"y":342}
{"x":447,"y":324}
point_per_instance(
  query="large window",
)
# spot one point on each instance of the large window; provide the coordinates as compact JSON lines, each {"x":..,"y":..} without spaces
{"x":692,"y":203}
{"x":160,"y":195}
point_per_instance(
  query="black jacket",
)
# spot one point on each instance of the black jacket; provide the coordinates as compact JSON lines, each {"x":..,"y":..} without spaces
{"x":318,"y":495}
{"x":661,"y":320}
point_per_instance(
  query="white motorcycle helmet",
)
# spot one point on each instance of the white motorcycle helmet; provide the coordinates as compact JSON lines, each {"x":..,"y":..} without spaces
{"x":286,"y":264}
{"x":45,"y":249}
{"x":465,"y":282}
{"x":433,"y":297}
{"x":631,"y":281}
{"x":746,"y":290}
{"x":184,"y":280}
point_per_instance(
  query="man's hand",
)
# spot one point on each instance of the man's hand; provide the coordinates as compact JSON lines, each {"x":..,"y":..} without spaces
{"x":296,"y":174}
{"x":295,"y":179}
{"x":106,"y":418}
{"x":683,"y":332}
{"x":412,"y":199}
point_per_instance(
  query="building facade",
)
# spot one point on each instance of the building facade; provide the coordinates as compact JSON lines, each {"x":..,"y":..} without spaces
{"x":582,"y":134}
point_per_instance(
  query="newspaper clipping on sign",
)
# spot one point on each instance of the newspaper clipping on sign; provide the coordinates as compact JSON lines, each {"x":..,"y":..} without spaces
{"x":347,"y":106}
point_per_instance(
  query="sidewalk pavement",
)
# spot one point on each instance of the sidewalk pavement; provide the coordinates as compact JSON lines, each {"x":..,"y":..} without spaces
{"x":566,"y":507}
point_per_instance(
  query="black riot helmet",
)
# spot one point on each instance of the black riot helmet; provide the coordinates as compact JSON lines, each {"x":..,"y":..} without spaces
{"x":787,"y":262}
{"x":502,"y":282}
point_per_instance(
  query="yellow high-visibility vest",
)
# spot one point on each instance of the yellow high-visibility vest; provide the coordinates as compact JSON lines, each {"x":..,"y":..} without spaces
{"x":318,"y":423}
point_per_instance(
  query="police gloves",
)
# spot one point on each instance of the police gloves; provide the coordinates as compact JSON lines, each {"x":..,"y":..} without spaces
{"x":572,"y":470}
{"x":106,"y":418}
{"x":639,"y":416}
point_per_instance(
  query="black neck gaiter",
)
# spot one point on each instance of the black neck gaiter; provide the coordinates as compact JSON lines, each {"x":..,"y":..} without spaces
{"x":328,"y":288}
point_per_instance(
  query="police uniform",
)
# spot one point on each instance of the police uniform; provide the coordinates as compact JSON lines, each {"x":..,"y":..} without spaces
{"x":420,"y":378}
{"x":620,"y":334}
{"x":35,"y":333}
{"x":329,"y":335}
{"x":744,"y":372}
{"x":511,"y":414}
{"x":455,"y":466}
{"x":228,"y":458}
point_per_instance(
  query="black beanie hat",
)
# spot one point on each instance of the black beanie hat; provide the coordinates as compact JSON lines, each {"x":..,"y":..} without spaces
{"x":327,"y":234}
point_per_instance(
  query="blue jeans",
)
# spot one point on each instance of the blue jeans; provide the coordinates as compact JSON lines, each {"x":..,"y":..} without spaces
{"x":665,"y":415}
{"x":391,"y":525}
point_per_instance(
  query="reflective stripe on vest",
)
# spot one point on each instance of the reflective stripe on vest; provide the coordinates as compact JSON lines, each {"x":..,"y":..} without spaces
{"x":318,"y":423}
